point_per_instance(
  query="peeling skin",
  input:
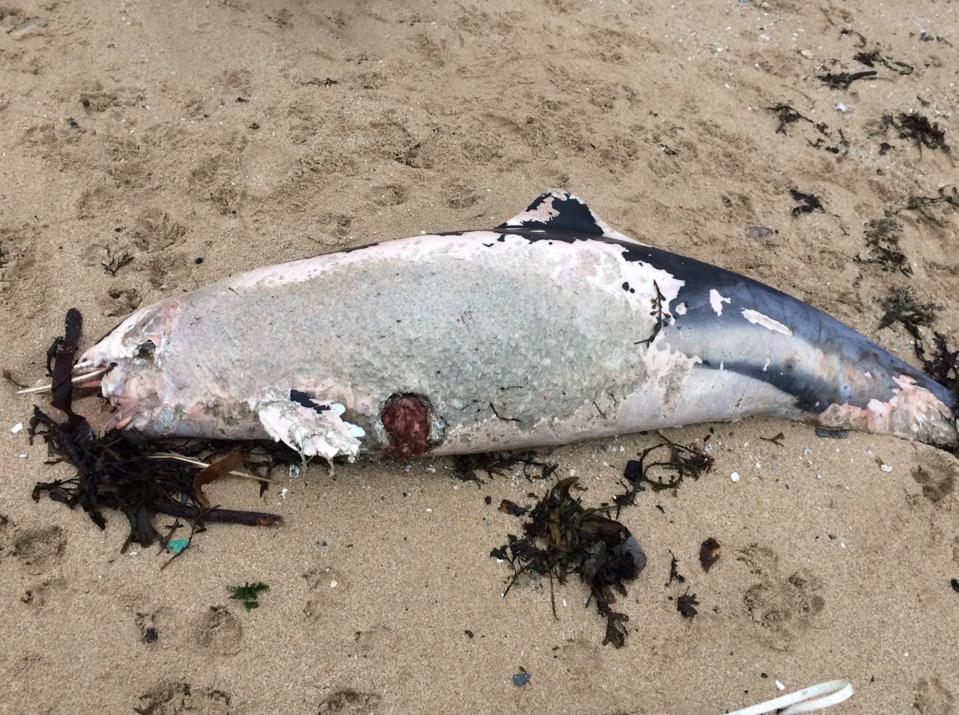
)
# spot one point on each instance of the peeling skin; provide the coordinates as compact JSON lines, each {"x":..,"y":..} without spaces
{"x":912,"y":410}
{"x":757,"y":318}
{"x":519,"y":337}
{"x":716,"y":301}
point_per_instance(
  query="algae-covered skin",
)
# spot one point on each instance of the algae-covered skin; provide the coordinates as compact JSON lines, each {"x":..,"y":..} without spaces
{"x":551,"y":329}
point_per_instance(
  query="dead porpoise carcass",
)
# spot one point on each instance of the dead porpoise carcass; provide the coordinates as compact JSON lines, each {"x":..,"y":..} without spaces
{"x":550,"y":329}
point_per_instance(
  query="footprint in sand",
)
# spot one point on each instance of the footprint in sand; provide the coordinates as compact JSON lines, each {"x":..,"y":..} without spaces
{"x":39,"y":550}
{"x":171,"y":697}
{"x":377,"y":639}
{"x":936,"y":474}
{"x":155,"y":231}
{"x":780,"y":607}
{"x":220,"y":631}
{"x":39,"y":594}
{"x":389,"y":195}
{"x":328,"y":592}
{"x":933,"y":698}
{"x":350,"y":701}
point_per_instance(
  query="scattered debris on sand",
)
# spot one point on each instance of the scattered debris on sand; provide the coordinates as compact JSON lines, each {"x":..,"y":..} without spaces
{"x":808,"y":203}
{"x":709,"y":553}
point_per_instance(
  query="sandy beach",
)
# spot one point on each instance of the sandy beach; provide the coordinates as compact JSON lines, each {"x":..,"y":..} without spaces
{"x":202,"y":139}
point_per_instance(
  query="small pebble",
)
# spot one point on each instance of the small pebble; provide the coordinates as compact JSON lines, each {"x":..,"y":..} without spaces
{"x":780,"y":685}
{"x":886,"y":468}
{"x":18,"y":427}
{"x":734,"y":476}
{"x":759,"y":232}
{"x":521,"y":678}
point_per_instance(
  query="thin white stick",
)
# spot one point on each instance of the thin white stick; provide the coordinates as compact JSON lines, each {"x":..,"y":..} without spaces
{"x":75,"y":380}
{"x":812,"y":699}
{"x":204,"y":465}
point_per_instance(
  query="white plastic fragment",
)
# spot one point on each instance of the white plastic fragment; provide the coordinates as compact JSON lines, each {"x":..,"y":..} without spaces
{"x":18,"y":427}
{"x":780,"y":685}
{"x":734,"y":476}
{"x":808,"y":700}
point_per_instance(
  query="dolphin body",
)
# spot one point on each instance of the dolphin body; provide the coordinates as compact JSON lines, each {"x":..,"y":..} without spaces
{"x":550,"y":329}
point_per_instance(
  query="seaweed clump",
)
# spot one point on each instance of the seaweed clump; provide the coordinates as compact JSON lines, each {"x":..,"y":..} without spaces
{"x":120,"y":470}
{"x":942,"y":364}
{"x":901,"y":306}
{"x":842,"y":80}
{"x":562,"y":538}
{"x":932,"y":208}
{"x":807,"y":203}
{"x":248,"y":594}
{"x":468,"y":467}
{"x":662,"y":467}
{"x":875,"y":57}
{"x":786,"y":115}
{"x":882,"y":245}
{"x":919,"y":129}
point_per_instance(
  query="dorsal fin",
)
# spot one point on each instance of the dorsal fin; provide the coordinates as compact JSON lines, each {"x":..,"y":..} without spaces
{"x":559,"y":210}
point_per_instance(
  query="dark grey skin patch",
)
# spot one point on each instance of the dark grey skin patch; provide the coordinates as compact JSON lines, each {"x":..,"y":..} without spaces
{"x":306,"y":400}
{"x":701,"y":332}
{"x":571,"y":215}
